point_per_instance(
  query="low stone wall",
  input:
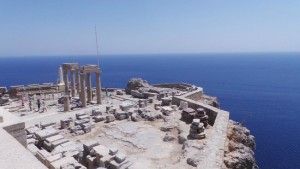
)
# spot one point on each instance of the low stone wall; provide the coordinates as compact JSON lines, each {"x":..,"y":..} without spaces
{"x":219,"y":119}
{"x":14,"y":126}
{"x":195,"y":96}
{"x":173,"y":85}
{"x":214,"y":150}
{"x":194,"y":104}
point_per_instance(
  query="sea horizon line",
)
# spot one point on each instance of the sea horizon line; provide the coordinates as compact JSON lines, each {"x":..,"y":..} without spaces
{"x":159,"y":54}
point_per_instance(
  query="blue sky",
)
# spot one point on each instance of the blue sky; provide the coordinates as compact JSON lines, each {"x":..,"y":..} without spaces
{"x":66,"y":27}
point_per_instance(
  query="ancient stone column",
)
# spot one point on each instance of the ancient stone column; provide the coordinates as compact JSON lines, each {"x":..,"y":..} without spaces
{"x":77,"y":80}
{"x":73,"y":91}
{"x":67,"y":94}
{"x":82,"y":90}
{"x":89,"y":87}
{"x":98,"y":87}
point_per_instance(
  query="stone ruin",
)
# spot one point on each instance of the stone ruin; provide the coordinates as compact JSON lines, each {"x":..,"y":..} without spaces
{"x":154,"y":105}
{"x":56,"y":152}
{"x":85,"y":95}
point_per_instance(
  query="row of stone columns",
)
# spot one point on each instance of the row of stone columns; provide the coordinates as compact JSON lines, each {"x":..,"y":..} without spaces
{"x":88,"y":96}
{"x":78,"y":83}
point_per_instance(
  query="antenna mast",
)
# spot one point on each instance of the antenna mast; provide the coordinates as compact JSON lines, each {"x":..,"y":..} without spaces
{"x":97,"y":44}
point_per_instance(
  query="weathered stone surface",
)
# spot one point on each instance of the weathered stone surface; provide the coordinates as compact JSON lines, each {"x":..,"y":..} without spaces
{"x":181,"y":138}
{"x":54,"y":138}
{"x":79,"y":132}
{"x":100,"y":150}
{"x":157,"y":106}
{"x":167,"y":110}
{"x":193,"y":161}
{"x":43,"y":134}
{"x":167,"y":101}
{"x":151,"y":116}
{"x":87,"y":146}
{"x":87,"y":129}
{"x":134,"y":84}
{"x":80,"y":114}
{"x":82,"y":121}
{"x":126,"y":105}
{"x":198,"y":136}
{"x":183,"y":105}
{"x":52,"y":158}
{"x":63,"y":162}
{"x":91,"y":162}
{"x":119,"y":92}
{"x":96,"y":112}
{"x":167,"y":127}
{"x":47,"y":124}
{"x":192,"y":144}
{"x":169,"y":137}
{"x":113,"y":151}
{"x":65,"y":123}
{"x":121,"y":115}
{"x":110,"y":118}
{"x":188,"y":114}
{"x":76,"y":128}
{"x":32,"y":129}
{"x":99,"y":118}
{"x":135,"y":117}
{"x":32,"y":148}
{"x":42,"y":155}
{"x":120,"y":157}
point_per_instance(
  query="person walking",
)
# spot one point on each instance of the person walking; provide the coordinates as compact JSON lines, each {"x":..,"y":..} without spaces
{"x":44,"y":107}
{"x":23,"y":102}
{"x":38,"y":103}
{"x":30,"y":105}
{"x":106,"y":92}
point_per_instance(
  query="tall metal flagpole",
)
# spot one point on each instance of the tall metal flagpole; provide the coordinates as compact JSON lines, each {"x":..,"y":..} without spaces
{"x":97,"y":44}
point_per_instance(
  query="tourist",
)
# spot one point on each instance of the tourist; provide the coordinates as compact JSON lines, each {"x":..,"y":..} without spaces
{"x":23,"y":102}
{"x":38,"y":103}
{"x":79,"y":104}
{"x":106,"y":92}
{"x":44,"y":107}
{"x":30,"y":105}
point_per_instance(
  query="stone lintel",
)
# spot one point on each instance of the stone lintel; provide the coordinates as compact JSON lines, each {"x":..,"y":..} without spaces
{"x":70,"y":66}
{"x":90,"y":69}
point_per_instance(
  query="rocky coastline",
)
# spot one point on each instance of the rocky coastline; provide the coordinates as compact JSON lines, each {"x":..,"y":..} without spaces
{"x":240,"y":147}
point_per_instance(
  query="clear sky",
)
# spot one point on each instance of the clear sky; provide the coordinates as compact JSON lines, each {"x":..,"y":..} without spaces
{"x":66,"y":27}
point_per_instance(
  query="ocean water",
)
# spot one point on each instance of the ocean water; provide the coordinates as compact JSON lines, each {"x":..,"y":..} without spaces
{"x":260,"y":90}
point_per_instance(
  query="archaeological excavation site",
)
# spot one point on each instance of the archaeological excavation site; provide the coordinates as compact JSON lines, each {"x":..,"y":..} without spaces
{"x":76,"y":124}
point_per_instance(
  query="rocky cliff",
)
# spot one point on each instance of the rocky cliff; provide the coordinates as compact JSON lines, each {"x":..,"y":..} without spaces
{"x":239,"y":152}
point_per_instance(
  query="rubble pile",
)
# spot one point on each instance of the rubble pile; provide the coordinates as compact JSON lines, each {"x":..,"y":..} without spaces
{"x":52,"y":148}
{"x":98,"y":156}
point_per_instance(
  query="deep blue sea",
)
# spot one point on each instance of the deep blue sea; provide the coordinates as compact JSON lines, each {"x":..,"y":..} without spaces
{"x":260,"y":90}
